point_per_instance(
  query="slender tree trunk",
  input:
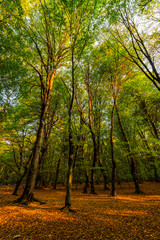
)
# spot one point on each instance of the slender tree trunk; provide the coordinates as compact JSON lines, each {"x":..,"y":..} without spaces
{"x":104,"y":175}
{"x":134,"y":175}
{"x":156,"y":174}
{"x":75,"y":158}
{"x":86,"y":185}
{"x":19,"y":181}
{"x":113,"y":191}
{"x":99,"y":150}
{"x":151,"y":121}
{"x":57,"y":173}
{"x":71,"y":145}
{"x":93,"y":164}
{"x":70,"y":172}
{"x":131,"y":156}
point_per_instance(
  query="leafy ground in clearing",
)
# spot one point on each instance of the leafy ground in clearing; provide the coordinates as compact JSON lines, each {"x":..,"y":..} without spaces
{"x":127,"y":216}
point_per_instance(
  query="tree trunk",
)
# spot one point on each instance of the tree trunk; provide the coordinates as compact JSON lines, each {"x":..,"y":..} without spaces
{"x":39,"y":179}
{"x":131,"y":156}
{"x":22,"y":177}
{"x":19,"y":181}
{"x":151,"y":121}
{"x":155,"y":172}
{"x":57,"y":173}
{"x":104,"y":175}
{"x":113,"y":191}
{"x":30,"y":183}
{"x":70,"y":172}
{"x":134,"y":175}
{"x":86,"y":182}
{"x":93,"y":164}
{"x":71,"y":146}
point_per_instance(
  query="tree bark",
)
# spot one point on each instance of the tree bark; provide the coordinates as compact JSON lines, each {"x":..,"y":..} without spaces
{"x":104,"y":175}
{"x":86,"y":185}
{"x":131,"y":156}
{"x":19,"y":181}
{"x":71,"y":146}
{"x":30,"y":183}
{"x":93,"y":164}
{"x":57,"y":173}
{"x":113,"y":191}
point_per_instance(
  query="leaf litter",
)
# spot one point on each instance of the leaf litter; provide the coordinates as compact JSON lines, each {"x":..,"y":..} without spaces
{"x":124,"y":217}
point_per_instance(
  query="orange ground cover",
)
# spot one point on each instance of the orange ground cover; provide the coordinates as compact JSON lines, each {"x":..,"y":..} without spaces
{"x":126,"y":217}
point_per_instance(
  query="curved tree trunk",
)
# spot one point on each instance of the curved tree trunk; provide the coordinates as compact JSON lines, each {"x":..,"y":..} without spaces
{"x":19,"y":181}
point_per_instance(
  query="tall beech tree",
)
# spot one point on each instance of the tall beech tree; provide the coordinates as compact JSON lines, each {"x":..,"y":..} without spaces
{"x":82,"y":17}
{"x":89,"y":103}
{"x":131,"y":156}
{"x":45,"y":29}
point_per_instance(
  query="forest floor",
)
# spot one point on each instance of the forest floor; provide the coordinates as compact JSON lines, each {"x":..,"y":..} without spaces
{"x":127,"y":216}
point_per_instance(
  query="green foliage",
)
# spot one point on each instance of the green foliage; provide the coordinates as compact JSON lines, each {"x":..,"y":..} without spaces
{"x":37,"y":35}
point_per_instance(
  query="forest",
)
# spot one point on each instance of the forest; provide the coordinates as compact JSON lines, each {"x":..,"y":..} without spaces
{"x":79,"y":97}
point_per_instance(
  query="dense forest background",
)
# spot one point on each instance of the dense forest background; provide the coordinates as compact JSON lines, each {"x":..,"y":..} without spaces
{"x":79,"y":94}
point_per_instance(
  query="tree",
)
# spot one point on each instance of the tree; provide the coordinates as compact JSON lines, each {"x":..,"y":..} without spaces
{"x":142,"y":48}
{"x":81,"y":17}
{"x":48,"y":50}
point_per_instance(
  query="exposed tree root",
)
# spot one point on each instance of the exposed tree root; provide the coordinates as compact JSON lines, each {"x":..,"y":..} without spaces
{"x":25,"y":200}
{"x":37,"y":200}
{"x":139,"y":192}
{"x":113,"y":194}
{"x":93,"y":192}
{"x":85,"y":190}
{"x":67,"y":208}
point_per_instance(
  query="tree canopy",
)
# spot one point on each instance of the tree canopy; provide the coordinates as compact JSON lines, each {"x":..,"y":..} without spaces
{"x":79,"y":93}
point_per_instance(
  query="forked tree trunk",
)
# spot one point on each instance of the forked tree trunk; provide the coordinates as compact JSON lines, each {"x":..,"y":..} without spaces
{"x":30,"y":183}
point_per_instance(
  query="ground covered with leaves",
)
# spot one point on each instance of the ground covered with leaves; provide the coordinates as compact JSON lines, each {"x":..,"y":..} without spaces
{"x":126,"y":216}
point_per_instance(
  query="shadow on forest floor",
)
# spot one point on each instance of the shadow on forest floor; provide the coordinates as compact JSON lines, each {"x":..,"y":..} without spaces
{"x":127,"y":216}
